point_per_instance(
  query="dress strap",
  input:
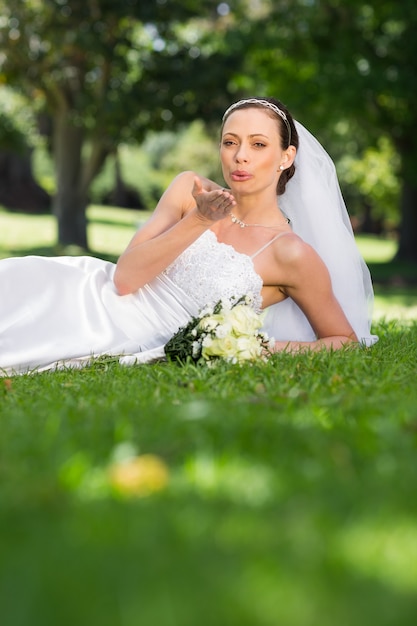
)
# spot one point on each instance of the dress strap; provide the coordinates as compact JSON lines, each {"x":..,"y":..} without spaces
{"x":269,"y":243}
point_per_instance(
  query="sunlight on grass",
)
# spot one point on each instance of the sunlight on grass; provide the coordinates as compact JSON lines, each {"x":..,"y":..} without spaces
{"x":390,"y":304}
{"x":394,"y":302}
{"x":20,"y":232}
{"x":386,"y":551}
{"x":110,"y":230}
{"x":229,"y":477}
{"x":376,"y":249}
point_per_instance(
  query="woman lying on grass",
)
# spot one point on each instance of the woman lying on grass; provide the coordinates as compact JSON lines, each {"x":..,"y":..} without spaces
{"x":295,"y":258}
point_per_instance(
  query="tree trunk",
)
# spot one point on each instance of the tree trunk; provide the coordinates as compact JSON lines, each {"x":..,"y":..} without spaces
{"x":70,"y":201}
{"x":407,"y":250}
{"x":100,"y":150}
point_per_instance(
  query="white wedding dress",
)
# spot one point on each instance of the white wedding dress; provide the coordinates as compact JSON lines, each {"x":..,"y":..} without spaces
{"x":64,"y":310}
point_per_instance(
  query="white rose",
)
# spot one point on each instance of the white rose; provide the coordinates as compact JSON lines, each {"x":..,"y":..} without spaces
{"x":225,"y":348}
{"x":248,"y":348}
{"x":244,"y":320}
{"x":223,"y":330}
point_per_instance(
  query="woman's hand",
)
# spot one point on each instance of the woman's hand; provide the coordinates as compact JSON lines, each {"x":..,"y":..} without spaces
{"x":212,"y":205}
{"x":184,"y":212}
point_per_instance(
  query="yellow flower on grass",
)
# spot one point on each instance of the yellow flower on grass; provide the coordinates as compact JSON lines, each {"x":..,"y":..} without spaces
{"x":139,"y":475}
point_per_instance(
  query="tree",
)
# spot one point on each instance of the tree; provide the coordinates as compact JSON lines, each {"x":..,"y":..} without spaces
{"x":355,"y":61}
{"x":92,"y":64}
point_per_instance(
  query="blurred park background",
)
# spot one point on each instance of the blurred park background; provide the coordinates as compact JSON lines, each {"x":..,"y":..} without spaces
{"x":103,"y":102}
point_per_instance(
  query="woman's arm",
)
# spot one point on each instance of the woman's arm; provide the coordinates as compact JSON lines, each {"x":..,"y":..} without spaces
{"x":308,"y":283}
{"x":185,"y":211}
{"x":326,"y":343}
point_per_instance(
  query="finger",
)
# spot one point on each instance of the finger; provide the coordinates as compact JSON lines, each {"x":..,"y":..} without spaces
{"x":228,"y":202}
{"x":198,"y":186}
{"x":224,"y":197}
{"x":227,"y":195}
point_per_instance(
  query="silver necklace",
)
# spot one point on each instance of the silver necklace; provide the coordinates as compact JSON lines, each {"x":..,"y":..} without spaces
{"x":236,"y":220}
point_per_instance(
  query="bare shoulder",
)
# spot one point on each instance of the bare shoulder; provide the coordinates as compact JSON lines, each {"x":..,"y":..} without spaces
{"x":299,"y":263}
{"x":291,"y":249}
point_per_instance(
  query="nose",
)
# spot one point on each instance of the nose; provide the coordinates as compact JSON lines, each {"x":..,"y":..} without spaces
{"x":241,"y":155}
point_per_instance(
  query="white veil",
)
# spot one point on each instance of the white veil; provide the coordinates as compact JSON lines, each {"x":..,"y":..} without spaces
{"x":314,"y":203}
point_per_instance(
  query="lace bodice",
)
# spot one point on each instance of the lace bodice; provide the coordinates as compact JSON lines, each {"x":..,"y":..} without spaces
{"x":209,"y":270}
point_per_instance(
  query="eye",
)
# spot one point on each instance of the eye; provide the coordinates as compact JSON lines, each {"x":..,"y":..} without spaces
{"x":228,"y":142}
{"x":259,"y":144}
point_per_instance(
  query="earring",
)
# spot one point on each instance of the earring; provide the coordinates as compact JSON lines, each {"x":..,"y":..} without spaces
{"x":281,"y":167}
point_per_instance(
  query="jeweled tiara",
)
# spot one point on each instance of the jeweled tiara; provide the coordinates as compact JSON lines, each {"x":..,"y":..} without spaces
{"x":264,"y":103}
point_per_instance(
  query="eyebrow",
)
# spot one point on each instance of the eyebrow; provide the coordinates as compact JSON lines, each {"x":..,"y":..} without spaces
{"x":252,"y":135}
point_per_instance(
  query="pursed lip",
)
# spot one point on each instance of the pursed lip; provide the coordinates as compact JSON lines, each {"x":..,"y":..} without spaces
{"x":239,"y":175}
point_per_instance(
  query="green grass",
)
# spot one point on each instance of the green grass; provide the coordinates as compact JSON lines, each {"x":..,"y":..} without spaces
{"x":109,"y":231}
{"x":290,"y":499}
{"x":376,"y":249}
{"x":395,"y":283}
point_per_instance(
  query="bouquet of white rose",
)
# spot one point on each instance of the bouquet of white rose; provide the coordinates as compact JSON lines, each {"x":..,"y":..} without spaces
{"x":229,"y":330}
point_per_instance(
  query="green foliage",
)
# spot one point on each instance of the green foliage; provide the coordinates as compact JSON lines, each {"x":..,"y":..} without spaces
{"x":191,"y":148}
{"x":99,"y":58}
{"x":354,"y":62}
{"x":374,"y":177}
{"x":150,"y":167}
{"x":43,"y":167}
{"x":290,"y":497}
{"x":109,"y":72}
{"x":123,"y":69}
{"x":362,"y":54}
{"x":17,"y":124}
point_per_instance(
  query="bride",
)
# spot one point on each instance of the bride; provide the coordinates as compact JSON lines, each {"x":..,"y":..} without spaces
{"x":297,"y":257}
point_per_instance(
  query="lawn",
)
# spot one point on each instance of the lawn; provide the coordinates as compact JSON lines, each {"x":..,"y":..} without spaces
{"x":395,"y":283}
{"x":277,"y":494}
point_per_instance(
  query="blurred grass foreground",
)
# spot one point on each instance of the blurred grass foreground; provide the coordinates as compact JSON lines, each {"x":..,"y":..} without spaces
{"x":277,"y":494}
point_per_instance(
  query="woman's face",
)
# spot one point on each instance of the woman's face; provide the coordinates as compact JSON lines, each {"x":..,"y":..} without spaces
{"x":251,"y":152}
